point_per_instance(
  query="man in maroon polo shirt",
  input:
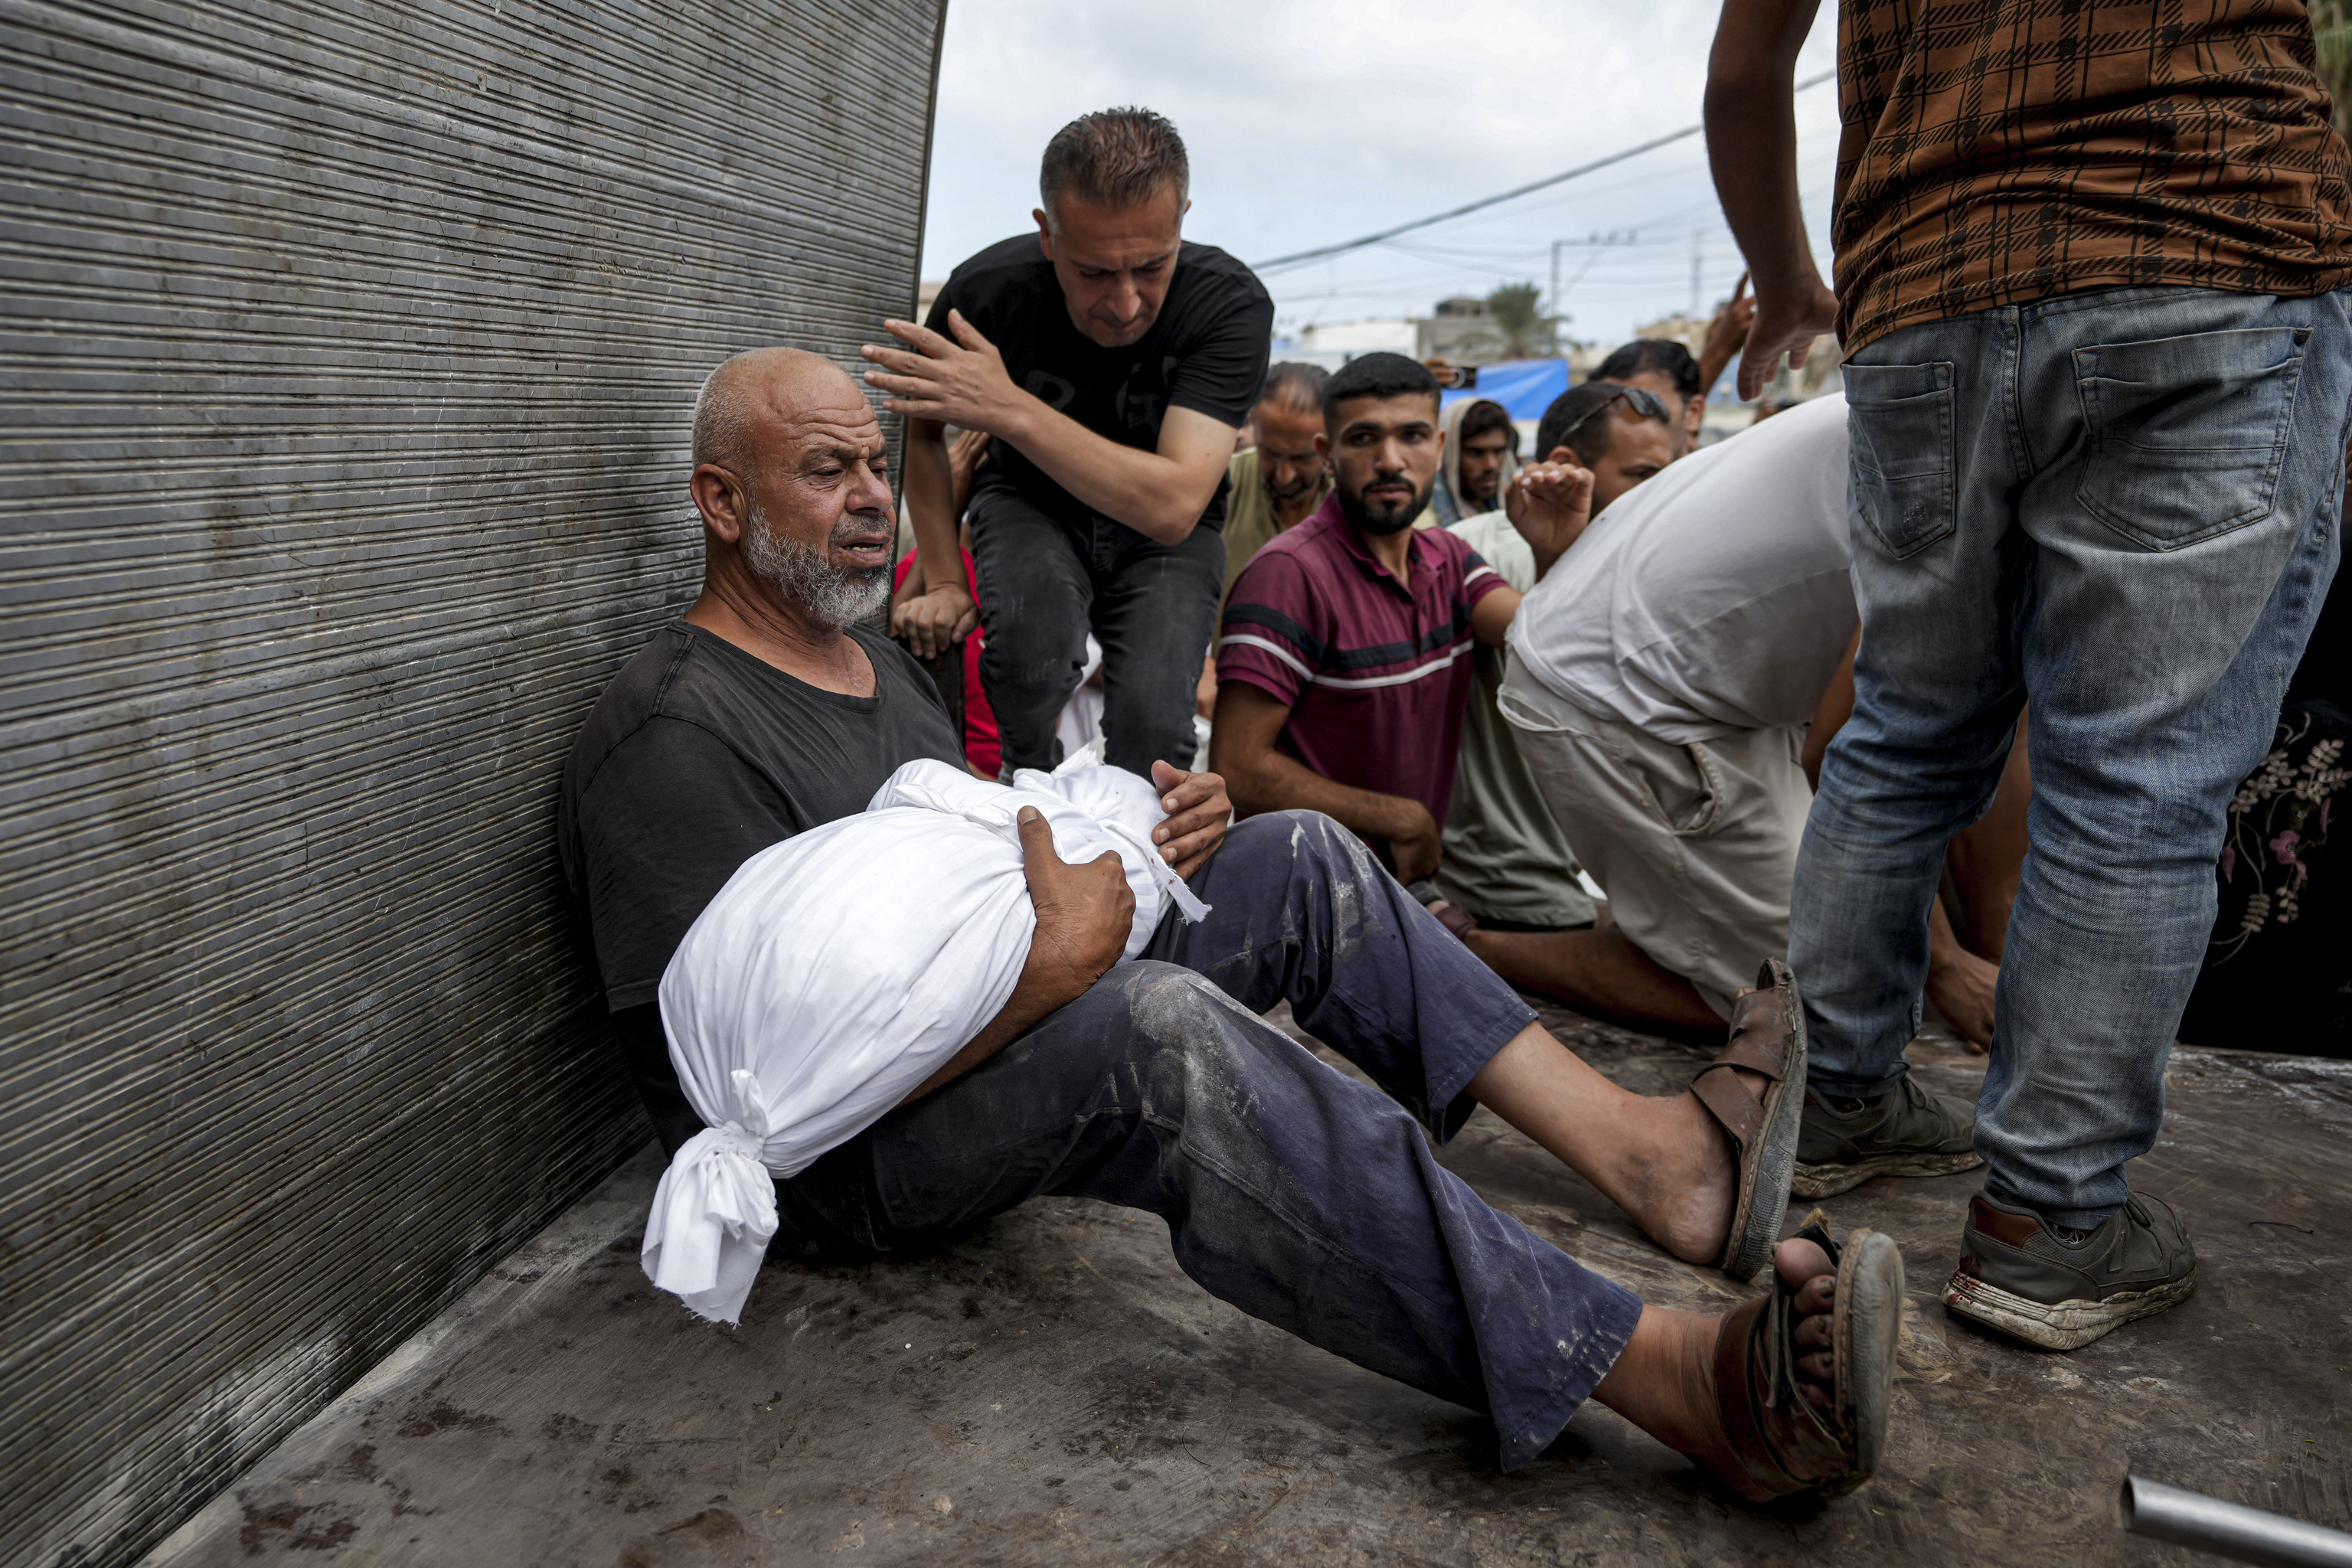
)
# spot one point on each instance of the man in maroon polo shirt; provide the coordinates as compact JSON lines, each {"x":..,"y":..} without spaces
{"x":1341,"y":668}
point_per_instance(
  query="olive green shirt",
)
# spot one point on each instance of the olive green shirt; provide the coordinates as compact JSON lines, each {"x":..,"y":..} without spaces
{"x":1506,"y":857}
{"x":1250,"y":523}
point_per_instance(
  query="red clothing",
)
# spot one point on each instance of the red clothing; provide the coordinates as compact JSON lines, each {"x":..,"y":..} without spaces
{"x":1376,"y":673}
{"x":980,"y":747}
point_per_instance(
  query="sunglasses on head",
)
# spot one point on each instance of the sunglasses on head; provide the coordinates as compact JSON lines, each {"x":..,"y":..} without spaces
{"x":1648,"y":405}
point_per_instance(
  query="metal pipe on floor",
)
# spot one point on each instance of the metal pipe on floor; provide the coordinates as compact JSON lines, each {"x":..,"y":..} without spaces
{"x":2230,"y":1530}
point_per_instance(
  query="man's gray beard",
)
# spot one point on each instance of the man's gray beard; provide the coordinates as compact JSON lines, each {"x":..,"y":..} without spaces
{"x":805,"y":575}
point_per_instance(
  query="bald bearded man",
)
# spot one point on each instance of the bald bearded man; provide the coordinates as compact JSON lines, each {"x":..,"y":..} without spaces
{"x":1301,"y":1195}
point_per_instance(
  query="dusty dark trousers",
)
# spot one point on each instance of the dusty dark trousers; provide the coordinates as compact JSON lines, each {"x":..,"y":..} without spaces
{"x":1044,"y":584}
{"x":1300,"y":1195}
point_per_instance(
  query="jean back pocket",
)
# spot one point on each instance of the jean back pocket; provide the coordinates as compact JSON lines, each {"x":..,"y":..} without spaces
{"x":1899,"y":418}
{"x":2186,"y":435}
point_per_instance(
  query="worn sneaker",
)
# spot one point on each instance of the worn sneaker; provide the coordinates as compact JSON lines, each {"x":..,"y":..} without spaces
{"x":1907,"y":1131}
{"x":2060,"y":1289}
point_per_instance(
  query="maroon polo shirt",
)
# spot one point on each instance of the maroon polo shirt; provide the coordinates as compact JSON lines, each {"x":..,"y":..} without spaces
{"x":1375,"y":672}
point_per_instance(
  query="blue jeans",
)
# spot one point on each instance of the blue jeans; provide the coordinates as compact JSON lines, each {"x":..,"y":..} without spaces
{"x":2119,"y":508}
{"x":1045,"y":583}
{"x":1302,"y":1196}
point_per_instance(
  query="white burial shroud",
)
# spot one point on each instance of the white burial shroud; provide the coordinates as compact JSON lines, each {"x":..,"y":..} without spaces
{"x":839,"y":969}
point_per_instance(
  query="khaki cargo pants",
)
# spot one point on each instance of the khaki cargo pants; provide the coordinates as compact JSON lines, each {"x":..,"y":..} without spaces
{"x":1694,"y":844}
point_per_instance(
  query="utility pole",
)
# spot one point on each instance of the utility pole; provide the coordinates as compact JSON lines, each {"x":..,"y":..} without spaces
{"x":1595,"y":242}
{"x":1698,"y":265}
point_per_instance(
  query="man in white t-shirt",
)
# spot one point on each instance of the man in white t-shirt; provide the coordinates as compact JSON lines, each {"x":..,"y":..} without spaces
{"x":1662,"y":680}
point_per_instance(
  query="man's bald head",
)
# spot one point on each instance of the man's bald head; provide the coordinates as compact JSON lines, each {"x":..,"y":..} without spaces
{"x":768,"y":387}
{"x":790,"y":479}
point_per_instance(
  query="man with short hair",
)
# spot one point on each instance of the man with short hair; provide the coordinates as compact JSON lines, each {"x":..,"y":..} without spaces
{"x":1661,"y":683}
{"x":1303,"y":1196}
{"x":1690,"y":844}
{"x":1341,"y":668}
{"x":1277,"y":483}
{"x":1481,"y":447}
{"x":1506,"y":865}
{"x":1624,"y":434}
{"x":1669,"y":371}
{"x":1112,"y":362}
{"x":2092,"y":269}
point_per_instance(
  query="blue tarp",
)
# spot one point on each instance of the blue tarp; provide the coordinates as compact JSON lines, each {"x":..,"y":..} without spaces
{"x":1525,"y":387}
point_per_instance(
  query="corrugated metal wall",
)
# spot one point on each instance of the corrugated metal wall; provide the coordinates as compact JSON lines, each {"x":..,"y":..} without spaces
{"x":348,"y":362}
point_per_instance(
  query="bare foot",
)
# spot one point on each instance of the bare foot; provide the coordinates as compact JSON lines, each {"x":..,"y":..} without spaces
{"x":1665,"y":1160}
{"x":1693,"y":1177}
{"x":1696,"y":1176}
{"x":1808,"y":1268}
{"x":1960,"y":984}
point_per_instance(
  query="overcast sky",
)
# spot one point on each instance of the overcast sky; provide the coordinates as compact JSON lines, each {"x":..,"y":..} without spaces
{"x":1312,"y":122}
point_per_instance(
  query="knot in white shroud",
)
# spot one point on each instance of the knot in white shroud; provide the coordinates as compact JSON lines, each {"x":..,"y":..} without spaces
{"x":714,"y":1211}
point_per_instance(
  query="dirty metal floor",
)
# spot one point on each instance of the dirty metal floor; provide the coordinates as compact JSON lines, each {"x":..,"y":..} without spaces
{"x":1049,"y":1389}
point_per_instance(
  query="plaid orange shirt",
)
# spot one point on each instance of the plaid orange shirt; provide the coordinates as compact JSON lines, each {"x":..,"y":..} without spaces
{"x":1998,"y":152}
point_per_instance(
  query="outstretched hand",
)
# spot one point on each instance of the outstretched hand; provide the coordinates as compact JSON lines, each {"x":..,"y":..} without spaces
{"x":1784,"y":326}
{"x":1724,"y":335}
{"x":964,"y":454}
{"x":1417,"y":844}
{"x":1961,"y":986}
{"x":1728,"y":330}
{"x":1550,"y":504}
{"x":959,"y":380}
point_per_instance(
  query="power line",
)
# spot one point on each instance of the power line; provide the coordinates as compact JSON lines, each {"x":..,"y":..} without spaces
{"x":1516,"y":191}
{"x":1450,"y":265}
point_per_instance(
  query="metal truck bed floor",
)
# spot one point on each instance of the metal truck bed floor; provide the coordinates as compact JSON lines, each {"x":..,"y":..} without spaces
{"x":1050,"y":1389}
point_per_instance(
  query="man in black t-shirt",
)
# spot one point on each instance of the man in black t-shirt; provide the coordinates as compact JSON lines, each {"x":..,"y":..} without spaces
{"x":1304,"y":1197}
{"x":1113,"y":363}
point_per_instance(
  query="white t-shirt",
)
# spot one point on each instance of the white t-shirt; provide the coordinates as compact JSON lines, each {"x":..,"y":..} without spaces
{"x":1717,"y":596}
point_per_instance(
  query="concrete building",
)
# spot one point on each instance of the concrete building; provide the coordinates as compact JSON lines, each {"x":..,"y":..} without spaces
{"x":1346,"y":339}
{"x":1461,"y":331}
{"x":1458,"y":329}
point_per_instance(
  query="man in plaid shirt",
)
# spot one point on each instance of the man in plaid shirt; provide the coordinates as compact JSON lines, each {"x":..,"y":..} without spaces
{"x":2091,"y":260}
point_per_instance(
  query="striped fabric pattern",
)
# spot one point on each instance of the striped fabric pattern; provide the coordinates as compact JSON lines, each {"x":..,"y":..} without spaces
{"x":1374,"y":671}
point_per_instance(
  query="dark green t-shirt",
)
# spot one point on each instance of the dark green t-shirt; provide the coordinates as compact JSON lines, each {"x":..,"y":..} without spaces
{"x":696,"y":757}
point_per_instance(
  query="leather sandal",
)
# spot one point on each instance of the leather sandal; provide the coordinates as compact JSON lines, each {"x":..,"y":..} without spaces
{"x":1768,"y":1037}
{"x":1780,"y":1442}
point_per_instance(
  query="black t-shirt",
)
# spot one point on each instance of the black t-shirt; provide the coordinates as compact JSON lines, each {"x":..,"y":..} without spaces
{"x":1206,"y":352}
{"x":699,"y":755}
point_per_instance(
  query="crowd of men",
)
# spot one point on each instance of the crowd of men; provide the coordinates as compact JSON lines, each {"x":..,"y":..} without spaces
{"x":1775,"y":695}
